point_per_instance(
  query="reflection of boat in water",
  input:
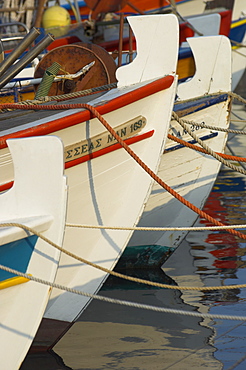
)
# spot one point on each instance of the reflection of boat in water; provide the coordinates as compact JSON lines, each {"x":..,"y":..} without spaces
{"x":125,"y":335}
{"x":44,"y":361}
{"x":219,"y":253}
{"x":186,"y":274}
{"x":218,"y":256}
{"x":219,"y":259}
{"x":164,"y":337}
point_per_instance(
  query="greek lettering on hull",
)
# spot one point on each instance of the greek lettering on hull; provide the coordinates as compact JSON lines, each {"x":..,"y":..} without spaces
{"x":104,"y":140}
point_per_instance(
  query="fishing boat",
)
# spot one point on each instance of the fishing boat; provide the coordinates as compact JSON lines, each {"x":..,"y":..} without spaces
{"x":238,"y":40}
{"x":190,"y":173}
{"x":236,"y":32}
{"x":92,"y":8}
{"x":33,"y":208}
{"x":191,"y":7}
{"x":212,"y":19}
{"x":106,"y":185}
{"x":17,"y":66}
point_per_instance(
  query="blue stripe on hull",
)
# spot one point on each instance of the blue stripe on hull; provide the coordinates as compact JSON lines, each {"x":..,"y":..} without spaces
{"x":16,"y":255}
{"x":237,"y":33}
{"x":196,"y":105}
{"x":179,"y":146}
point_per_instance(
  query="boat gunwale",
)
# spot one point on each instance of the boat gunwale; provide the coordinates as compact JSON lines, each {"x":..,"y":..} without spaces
{"x":139,"y":92}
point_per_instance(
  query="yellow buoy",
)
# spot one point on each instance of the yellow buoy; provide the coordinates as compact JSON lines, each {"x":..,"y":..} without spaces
{"x":56,"y":20}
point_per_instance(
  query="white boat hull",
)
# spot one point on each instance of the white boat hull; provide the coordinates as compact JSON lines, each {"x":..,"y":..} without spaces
{"x":192,"y":175}
{"x":111,"y":188}
{"x":37,"y":200}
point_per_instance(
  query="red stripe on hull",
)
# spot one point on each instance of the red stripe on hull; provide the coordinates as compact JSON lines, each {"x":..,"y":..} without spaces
{"x":109,"y":149}
{"x":88,"y":157}
{"x":76,"y":118}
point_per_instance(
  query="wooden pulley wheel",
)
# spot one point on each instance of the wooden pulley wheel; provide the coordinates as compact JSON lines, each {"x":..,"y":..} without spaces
{"x":73,"y":58}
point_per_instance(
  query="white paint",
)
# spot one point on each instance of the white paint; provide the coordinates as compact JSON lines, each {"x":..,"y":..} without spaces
{"x":238,"y":62}
{"x":37,"y":198}
{"x":190,"y":173}
{"x":156,"y":42}
{"x":112,"y":189}
{"x":212,"y":55}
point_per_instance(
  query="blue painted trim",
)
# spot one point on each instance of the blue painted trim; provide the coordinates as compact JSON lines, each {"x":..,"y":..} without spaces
{"x":16,"y":255}
{"x":179,"y":146}
{"x":81,"y":4}
{"x":185,"y":52}
{"x":237,"y":33}
{"x":199,"y":104}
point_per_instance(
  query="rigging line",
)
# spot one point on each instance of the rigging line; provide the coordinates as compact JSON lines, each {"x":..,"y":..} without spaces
{"x":214,"y":128}
{"x":236,"y":115}
{"x":233,"y":153}
{"x":117,"y":274}
{"x":123,"y":302}
{"x":138,"y":228}
{"x":206,"y":147}
{"x":201,"y":150}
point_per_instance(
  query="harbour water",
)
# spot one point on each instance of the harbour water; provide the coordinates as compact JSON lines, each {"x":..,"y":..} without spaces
{"x":114,"y":336}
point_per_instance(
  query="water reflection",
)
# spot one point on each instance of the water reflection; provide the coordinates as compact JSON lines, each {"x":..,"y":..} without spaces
{"x":122,"y":337}
{"x":219,"y":259}
{"x":111,"y":336}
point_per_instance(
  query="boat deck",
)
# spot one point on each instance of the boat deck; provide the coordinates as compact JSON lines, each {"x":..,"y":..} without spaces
{"x":19,"y":117}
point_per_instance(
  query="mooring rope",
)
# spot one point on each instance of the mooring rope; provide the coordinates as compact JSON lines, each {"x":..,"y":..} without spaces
{"x":239,"y":44}
{"x":156,"y":178}
{"x":237,"y":97}
{"x":214,"y":128}
{"x":206,"y":147}
{"x":197,"y":148}
{"x":77,"y":94}
{"x":94,"y":111}
{"x":117,"y":274}
{"x":90,"y":91}
{"x":68,"y":96}
{"x":124,"y":302}
{"x":145,"y":228}
{"x":239,"y":120}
